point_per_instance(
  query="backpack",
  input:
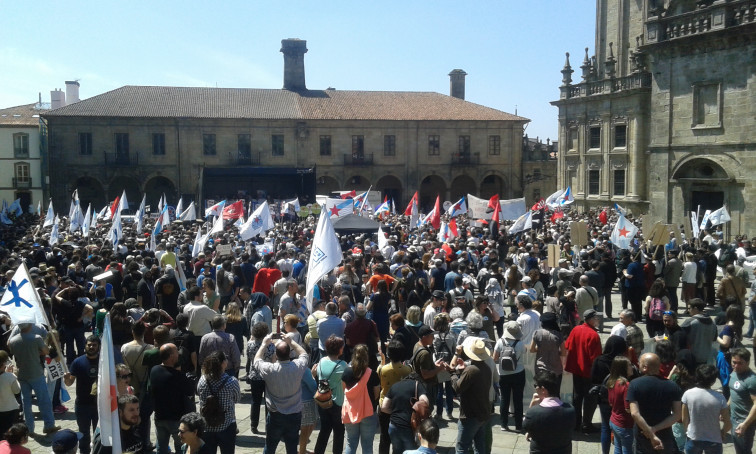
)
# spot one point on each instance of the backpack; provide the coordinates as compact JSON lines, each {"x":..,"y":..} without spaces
{"x":656,"y":309}
{"x":508,"y":358}
{"x":443,"y":352}
{"x":213,"y":411}
{"x":324,"y":394}
{"x":420,"y":410}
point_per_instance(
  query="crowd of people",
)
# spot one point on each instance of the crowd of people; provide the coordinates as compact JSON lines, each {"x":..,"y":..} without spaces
{"x":395,"y":341}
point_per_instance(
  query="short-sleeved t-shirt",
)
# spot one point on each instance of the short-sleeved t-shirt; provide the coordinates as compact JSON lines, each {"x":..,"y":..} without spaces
{"x":26,"y":348}
{"x":620,"y":415}
{"x":423,"y":360}
{"x":85,"y":371}
{"x":401,"y":407}
{"x":547,"y":357}
{"x":654,"y":396}
{"x":704,"y":406}
{"x":332,"y":371}
{"x":391,"y":374}
{"x":519,"y":350}
{"x":742,"y":387}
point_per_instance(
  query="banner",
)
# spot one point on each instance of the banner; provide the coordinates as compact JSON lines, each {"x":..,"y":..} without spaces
{"x":511,"y":209}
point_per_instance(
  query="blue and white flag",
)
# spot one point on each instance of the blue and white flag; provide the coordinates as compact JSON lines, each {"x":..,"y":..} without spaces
{"x":54,"y":234}
{"x":291,"y":206}
{"x":159,"y":222}
{"x":623,"y":233}
{"x":216,"y":209}
{"x":15,"y":208}
{"x":524,"y":222}
{"x":188,"y":215}
{"x":719,"y":216}
{"x":87,"y":222}
{"x":39,"y":208}
{"x":567,"y":197}
{"x":21,"y":300}
{"x":324,"y":256}
{"x":50,"y":218}
{"x":620,"y":210}
{"x":383,"y":209}
{"x":107,"y":395}
{"x":4,"y":218}
{"x":337,"y":208}
{"x":458,"y":208}
{"x":259,"y":222}
{"x":361,"y":201}
{"x":116,"y":230}
{"x":140,"y":214}
{"x":179,"y":208}
{"x":217,"y":226}
{"x":382,"y":240}
{"x":552,"y":201}
{"x":199,"y":243}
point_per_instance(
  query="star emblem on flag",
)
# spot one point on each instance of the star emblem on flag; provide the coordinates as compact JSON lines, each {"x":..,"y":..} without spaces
{"x":623,"y":231}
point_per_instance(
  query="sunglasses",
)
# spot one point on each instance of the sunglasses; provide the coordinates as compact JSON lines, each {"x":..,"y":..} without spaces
{"x":126,"y":376}
{"x":668,"y":313}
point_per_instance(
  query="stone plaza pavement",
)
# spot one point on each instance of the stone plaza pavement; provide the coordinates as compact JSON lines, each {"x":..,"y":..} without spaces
{"x":247,"y":442}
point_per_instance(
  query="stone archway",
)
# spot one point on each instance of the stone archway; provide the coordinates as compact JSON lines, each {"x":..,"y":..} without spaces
{"x":326,"y":185}
{"x":133,"y":192}
{"x":90,"y":191}
{"x":492,"y":184}
{"x":156,"y":187}
{"x":461,"y":186}
{"x":356,"y":182}
{"x":390,"y":187}
{"x":430,"y":187}
{"x":704,"y":183}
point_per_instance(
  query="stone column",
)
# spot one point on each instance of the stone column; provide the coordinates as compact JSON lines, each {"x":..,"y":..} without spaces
{"x":637,"y":161}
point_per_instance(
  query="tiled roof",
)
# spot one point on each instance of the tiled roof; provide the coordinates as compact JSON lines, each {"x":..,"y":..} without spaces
{"x":251,"y":103}
{"x":26,"y":115}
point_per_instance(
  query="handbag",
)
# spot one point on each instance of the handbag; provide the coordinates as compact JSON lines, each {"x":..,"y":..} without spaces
{"x":420,"y":410}
{"x":357,"y":403}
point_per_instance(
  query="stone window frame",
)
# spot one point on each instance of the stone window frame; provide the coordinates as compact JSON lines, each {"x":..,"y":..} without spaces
{"x":22,"y":172}
{"x":588,"y":131}
{"x":158,"y":144}
{"x":573,"y":137}
{"x":696,"y":87}
{"x":389,"y":145}
{"x":616,"y":125}
{"x":85,"y":143}
{"x":209,"y":144}
{"x":277,"y":144}
{"x":589,"y":182}
{"x":434,"y":144}
{"x":326,"y":145}
{"x":21,"y":145}
{"x":494,"y":144}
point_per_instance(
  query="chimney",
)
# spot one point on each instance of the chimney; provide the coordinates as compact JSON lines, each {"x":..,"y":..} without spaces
{"x":72,"y":91}
{"x":457,"y":83}
{"x":294,"y":72}
{"x":57,"y":99}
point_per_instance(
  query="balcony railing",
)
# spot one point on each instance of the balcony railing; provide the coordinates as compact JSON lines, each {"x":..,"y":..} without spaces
{"x":711,"y":18}
{"x":358,"y":160}
{"x":121,"y":160}
{"x":465,"y":160}
{"x":248,"y":159}
{"x":22,"y":183}
{"x":605,"y":86}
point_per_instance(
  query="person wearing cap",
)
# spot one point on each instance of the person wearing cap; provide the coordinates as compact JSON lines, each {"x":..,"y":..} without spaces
{"x":472,"y":382}
{"x":422,"y":360}
{"x":583,"y":347}
{"x":511,"y":382}
{"x":437,"y":275}
{"x":65,"y":441}
{"x":437,"y":299}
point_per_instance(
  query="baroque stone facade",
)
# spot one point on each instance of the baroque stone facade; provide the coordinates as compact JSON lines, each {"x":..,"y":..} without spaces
{"x":210,"y":143}
{"x":662,"y":118}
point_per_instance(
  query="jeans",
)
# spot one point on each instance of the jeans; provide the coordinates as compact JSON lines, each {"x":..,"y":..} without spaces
{"x":512,"y":386}
{"x":225,"y":440}
{"x":445,"y":387}
{"x":751,"y":314}
{"x":258,"y":389}
{"x":584,"y":403}
{"x":744,"y":443}
{"x":401,"y":439}
{"x":86,"y":420}
{"x":361,"y":433}
{"x":701,"y":447}
{"x":623,"y":439}
{"x":167,"y":428}
{"x":471,"y":432}
{"x":606,"y":432}
{"x":279,"y":426}
{"x":330,"y":420}
{"x":39,"y":386}
{"x":70,"y":336}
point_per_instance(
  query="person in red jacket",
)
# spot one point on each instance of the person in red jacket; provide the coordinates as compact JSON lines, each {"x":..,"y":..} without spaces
{"x":583,"y":347}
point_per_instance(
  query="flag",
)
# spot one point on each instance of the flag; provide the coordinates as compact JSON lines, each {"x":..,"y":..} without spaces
{"x":349,"y":195}
{"x":705,"y":219}
{"x":15,"y":208}
{"x":382,"y":240}
{"x":448,"y":231}
{"x":116,"y":230}
{"x":539,"y":205}
{"x":694,"y":224}
{"x":93,"y":224}
{"x":159,"y":222}
{"x":719,"y":216}
{"x":258,"y":223}
{"x":553,"y":200}
{"x":337,"y":208}
{"x":234,"y":210}
{"x":76,"y":219}
{"x":140,"y":214}
{"x":566,"y":198}
{"x":216,"y":209}
{"x":458,"y":208}
{"x":54,"y":234}
{"x":103,"y":213}
{"x":603,"y":217}
{"x":124,"y":203}
{"x":107,"y":398}
{"x":21,"y":300}
{"x":189,"y":215}
{"x":180,"y":276}
{"x":4,"y":218}
{"x":50,"y":216}
{"x":620,"y":210}
{"x":217,"y":226}
{"x":493,"y":202}
{"x":361,"y":201}
{"x":161,"y":203}
{"x":266,"y":248}
{"x":558,"y":214}
{"x":74,"y":199}
{"x":179,"y":208}
{"x":525,"y":222}
{"x":496,"y":218}
{"x":114,"y":207}
{"x":39,"y":208}
{"x":434,"y":217}
{"x":239,"y":222}
{"x":291,"y":206}
{"x":412,"y":205}
{"x":199,"y":243}
{"x":393,"y":207}
{"x":383,"y":209}
{"x":324,"y":256}
{"x":87,"y":222}
{"x":623,"y":233}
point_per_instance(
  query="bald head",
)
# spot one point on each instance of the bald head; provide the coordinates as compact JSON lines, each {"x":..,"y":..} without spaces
{"x":283,"y":350}
{"x":649,"y":364}
{"x":168,"y":354}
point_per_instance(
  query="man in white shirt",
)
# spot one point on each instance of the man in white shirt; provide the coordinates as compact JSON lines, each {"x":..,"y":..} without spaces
{"x":199,"y":314}
{"x":437,"y":298}
{"x":529,"y":320}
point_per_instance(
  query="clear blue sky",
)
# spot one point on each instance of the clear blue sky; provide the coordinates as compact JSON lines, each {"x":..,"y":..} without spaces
{"x":512,"y":51}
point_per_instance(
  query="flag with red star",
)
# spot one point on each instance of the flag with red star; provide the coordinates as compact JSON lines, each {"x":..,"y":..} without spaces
{"x":623,"y":233}
{"x":458,"y":208}
{"x":338,"y":208}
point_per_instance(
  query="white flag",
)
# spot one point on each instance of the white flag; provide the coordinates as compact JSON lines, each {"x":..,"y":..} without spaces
{"x":199,"y":243}
{"x":87,"y":222}
{"x":705,"y":219}
{"x":258,"y":223}
{"x":116,"y":230}
{"x":50,"y":216}
{"x":217,"y":226}
{"x":719,"y":216}
{"x":188,"y":215}
{"x":524,"y":222}
{"x":382,"y":240}
{"x":107,"y":397}
{"x":623,"y":233}
{"x":325,"y":254}
{"x":54,"y":234}
{"x":179,"y":208}
{"x":39,"y":208}
{"x":21,"y":300}
{"x":123,"y":203}
{"x":140,"y":214}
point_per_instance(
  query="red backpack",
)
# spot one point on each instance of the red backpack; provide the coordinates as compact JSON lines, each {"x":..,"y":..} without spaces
{"x":656,"y":309}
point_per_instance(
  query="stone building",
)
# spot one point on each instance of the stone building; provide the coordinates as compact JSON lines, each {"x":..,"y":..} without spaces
{"x":539,"y":169}
{"x":216,"y":143}
{"x":20,"y":152}
{"x":662,"y":119}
